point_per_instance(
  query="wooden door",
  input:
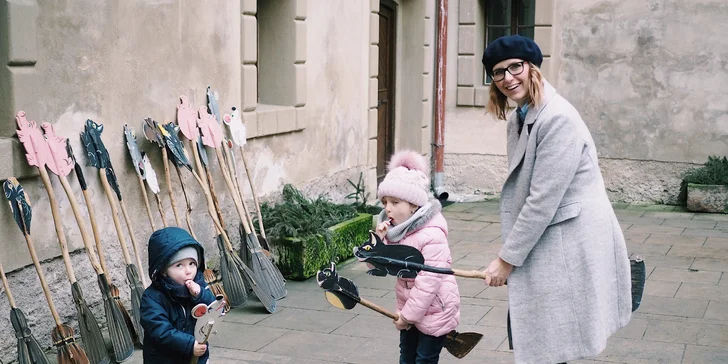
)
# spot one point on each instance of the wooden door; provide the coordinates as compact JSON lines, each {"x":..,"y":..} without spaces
{"x":385,"y":94}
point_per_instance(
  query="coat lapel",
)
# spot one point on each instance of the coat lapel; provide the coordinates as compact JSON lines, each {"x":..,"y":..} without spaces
{"x":516,"y":156}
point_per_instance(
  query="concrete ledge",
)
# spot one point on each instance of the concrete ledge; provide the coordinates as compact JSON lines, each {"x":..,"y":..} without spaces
{"x":14,"y":164}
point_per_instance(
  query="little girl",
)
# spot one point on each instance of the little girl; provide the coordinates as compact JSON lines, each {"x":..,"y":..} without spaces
{"x":428,"y":305}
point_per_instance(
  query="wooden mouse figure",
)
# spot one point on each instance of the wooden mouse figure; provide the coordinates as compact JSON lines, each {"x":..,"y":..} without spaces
{"x":206,"y":316}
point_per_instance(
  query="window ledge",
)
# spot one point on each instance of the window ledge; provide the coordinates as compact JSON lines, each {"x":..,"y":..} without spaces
{"x":268,"y":120}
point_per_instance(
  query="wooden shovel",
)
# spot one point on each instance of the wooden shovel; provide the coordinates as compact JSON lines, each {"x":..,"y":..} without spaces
{"x":69,"y":352}
{"x":344,"y":294}
{"x":29,"y":351}
{"x":39,"y":154}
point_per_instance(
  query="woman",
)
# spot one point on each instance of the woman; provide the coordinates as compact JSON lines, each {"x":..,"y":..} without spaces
{"x":563,"y":253}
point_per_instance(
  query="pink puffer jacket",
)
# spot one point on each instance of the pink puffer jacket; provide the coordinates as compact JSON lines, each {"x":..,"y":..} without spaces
{"x":431,"y":301}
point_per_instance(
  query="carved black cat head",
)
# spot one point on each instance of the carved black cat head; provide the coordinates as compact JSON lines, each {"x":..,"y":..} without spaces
{"x":327,"y":278}
{"x":370,"y":247}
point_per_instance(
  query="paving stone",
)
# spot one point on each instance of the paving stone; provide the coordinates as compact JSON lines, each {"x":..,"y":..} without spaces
{"x":713,"y":217}
{"x":641,"y":352}
{"x":310,"y":299}
{"x":662,"y":289}
{"x":647,"y":249}
{"x":703,"y":292}
{"x":640,"y":221}
{"x":711,"y":264}
{"x":490,"y":357}
{"x":711,"y":233}
{"x":706,"y":251}
{"x":244,"y":337}
{"x":635,"y":329}
{"x":696,"y":224}
{"x":488,"y":218}
{"x":650,"y":207}
{"x":378,"y":350}
{"x":717,"y":311}
{"x":495,"y":293}
{"x":230,"y":356}
{"x":675,"y":240}
{"x":472,"y":314}
{"x":669,"y":215}
{"x":681,"y":275}
{"x":458,"y":207}
{"x":492,"y":337}
{"x":248,"y":315}
{"x":655,"y":229}
{"x":621,"y":213}
{"x":705,"y":354}
{"x":459,"y":225}
{"x":495,"y":317}
{"x":470,"y":287}
{"x":465,"y":216}
{"x":483,"y":302}
{"x":366,"y":326}
{"x":687,"y":333}
{"x":308,"y":320}
{"x":635,"y":238}
{"x":313,"y":345}
{"x":668,"y":261}
{"x":673,"y":306}
{"x":369,"y":281}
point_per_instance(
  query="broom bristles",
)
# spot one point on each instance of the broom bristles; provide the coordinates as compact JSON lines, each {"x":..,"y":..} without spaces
{"x":232,"y":278}
{"x":121,"y":338}
{"x":69,"y":352}
{"x":29,"y":351}
{"x":127,"y":319}
{"x":89,"y":329}
{"x":137,"y":290}
{"x":215,"y":286}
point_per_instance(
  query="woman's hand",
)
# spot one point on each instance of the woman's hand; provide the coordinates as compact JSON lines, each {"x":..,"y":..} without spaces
{"x":382,"y":228}
{"x":498,"y":271}
{"x":199,"y":349}
{"x":401,"y":324}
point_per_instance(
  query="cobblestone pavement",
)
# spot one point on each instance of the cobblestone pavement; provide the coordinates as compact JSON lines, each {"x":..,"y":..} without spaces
{"x":683,"y":317}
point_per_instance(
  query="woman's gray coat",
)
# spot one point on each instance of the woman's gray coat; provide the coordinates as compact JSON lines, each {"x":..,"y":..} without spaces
{"x":570,"y":286}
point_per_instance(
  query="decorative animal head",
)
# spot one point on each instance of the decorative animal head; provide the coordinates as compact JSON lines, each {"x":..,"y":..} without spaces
{"x":187,"y":118}
{"x":327,"y":278}
{"x":150,"y":174}
{"x":136,"y":155}
{"x":213,"y":104}
{"x":371,"y":247}
{"x":237,"y":128}
{"x":210,"y":128}
{"x":19,"y":203}
{"x":59,"y":163}
{"x":151,"y":132}
{"x":206,"y":316}
{"x":169,"y":132}
{"x":36,"y":149}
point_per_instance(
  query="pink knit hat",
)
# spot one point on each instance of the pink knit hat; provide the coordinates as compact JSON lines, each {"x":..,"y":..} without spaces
{"x":407,"y":178}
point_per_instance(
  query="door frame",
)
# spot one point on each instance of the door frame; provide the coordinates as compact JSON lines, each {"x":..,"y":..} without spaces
{"x":391,"y":87}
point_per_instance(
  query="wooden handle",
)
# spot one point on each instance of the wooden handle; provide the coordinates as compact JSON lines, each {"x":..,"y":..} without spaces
{"x":7,"y":287}
{"x":161,"y":210}
{"x":134,"y":244}
{"x":81,"y":225}
{"x":252,"y":190}
{"x":97,"y":235}
{"x":169,"y":186}
{"x":378,"y":308}
{"x":41,"y":276}
{"x":146,"y":202}
{"x":58,"y":223}
{"x":231,"y":189}
{"x":215,"y":201}
{"x":210,"y":204}
{"x":188,"y":210}
{"x":469,"y":273}
{"x":115,"y":215}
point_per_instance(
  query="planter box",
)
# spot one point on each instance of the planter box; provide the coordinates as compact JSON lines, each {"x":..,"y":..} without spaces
{"x":707,"y":198}
{"x":300,"y":258}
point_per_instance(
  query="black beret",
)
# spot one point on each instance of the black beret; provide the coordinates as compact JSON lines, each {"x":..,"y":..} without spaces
{"x":511,"y":46}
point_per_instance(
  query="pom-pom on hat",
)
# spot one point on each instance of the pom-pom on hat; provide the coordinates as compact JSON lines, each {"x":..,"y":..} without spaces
{"x":408,"y":178}
{"x":511,"y":46}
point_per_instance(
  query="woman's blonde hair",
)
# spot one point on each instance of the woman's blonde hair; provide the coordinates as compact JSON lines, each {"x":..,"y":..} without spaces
{"x":498,"y":103}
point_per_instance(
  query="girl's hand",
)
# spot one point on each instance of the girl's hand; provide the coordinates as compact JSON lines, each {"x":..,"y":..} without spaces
{"x":199,"y":349}
{"x":382,"y":228}
{"x":498,"y":271}
{"x":193,"y":287}
{"x":401,"y":324}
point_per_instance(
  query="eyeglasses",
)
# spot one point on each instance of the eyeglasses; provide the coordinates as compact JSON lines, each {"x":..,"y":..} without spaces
{"x":514,"y":69}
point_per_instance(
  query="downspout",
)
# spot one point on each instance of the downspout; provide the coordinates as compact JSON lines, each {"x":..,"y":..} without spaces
{"x":440,"y":74}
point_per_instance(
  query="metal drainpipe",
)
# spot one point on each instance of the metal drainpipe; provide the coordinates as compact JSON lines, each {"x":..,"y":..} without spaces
{"x":441,"y":72}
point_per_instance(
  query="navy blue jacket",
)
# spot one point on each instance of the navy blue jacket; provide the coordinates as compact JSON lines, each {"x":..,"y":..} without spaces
{"x":167,"y":321}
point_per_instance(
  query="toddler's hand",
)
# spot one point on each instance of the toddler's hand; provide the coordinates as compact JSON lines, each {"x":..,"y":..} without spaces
{"x":199,"y":349}
{"x":193,"y":287}
{"x":382,"y":228}
{"x":401,"y":324}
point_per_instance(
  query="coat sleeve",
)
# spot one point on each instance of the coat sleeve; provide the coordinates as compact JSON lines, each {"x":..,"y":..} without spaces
{"x":426,"y":285}
{"x":558,"y":155}
{"x":156,"y":323}
{"x":206,"y":296}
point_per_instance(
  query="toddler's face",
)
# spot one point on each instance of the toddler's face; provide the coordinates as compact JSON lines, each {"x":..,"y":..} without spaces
{"x":398,"y":210}
{"x":182,"y":271}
